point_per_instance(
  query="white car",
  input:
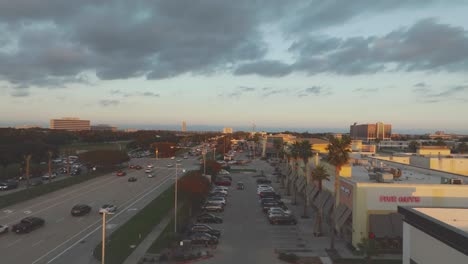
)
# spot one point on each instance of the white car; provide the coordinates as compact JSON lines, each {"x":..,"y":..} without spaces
{"x":150,"y":175}
{"x":223,"y":172}
{"x":172,"y":158}
{"x":224,"y":188}
{"x":148,"y":170}
{"x":263,"y":186}
{"x":149,"y":166}
{"x":3,"y":229}
{"x":108,"y":208}
{"x":170,"y":165}
{"x":277,"y":210}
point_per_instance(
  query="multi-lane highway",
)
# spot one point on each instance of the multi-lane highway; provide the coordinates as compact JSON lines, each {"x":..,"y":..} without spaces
{"x":67,"y":239}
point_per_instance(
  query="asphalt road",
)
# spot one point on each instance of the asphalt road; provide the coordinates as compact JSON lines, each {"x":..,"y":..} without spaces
{"x":67,"y":239}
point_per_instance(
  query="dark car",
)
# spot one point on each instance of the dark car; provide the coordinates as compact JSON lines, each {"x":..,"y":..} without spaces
{"x":223,"y":182}
{"x":240,"y":186}
{"x":267,"y":205}
{"x":132,"y":179}
{"x":200,"y":228}
{"x":8,"y":185}
{"x":35,"y":182}
{"x":80,"y":210}
{"x":209,"y":218}
{"x":263,"y":181}
{"x":266,"y":194}
{"x":204,"y":239}
{"x":217,"y":194}
{"x":271,"y":200}
{"x":285,"y":219}
{"x":28,"y":224}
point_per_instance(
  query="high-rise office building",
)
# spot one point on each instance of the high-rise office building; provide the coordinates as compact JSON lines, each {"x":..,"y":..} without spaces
{"x":371,"y":132}
{"x":70,"y":123}
{"x":184,"y":126}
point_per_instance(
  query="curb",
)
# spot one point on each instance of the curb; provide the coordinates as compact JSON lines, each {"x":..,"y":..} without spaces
{"x":194,"y":260}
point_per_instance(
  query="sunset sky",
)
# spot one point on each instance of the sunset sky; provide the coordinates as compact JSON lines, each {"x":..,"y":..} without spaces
{"x":279,"y":64}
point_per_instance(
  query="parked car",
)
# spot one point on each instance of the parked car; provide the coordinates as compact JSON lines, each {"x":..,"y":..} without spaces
{"x":3,"y":229}
{"x":270,"y":194}
{"x":283,"y":219}
{"x":8,"y":185}
{"x":52,"y":176}
{"x":217,"y":199}
{"x":263,"y":181}
{"x":218,"y":194}
{"x":132,"y":179}
{"x":223,"y":182}
{"x":80,"y":210}
{"x":149,"y":175}
{"x":267,"y":205}
{"x":209,"y":218}
{"x":240,"y":185}
{"x":223,"y":172}
{"x":226,"y":177}
{"x":212,"y":207}
{"x":148,"y":170}
{"x":28,"y":224}
{"x":120,"y":173}
{"x":279,"y":210}
{"x":149,"y":166}
{"x":108,"y":208}
{"x":170,"y":165}
{"x":131,"y":166}
{"x":204,"y":239}
{"x":35,"y":182}
{"x":205,"y":229}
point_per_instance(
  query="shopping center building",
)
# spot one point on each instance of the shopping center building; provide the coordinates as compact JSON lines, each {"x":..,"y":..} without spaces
{"x":369,"y":197}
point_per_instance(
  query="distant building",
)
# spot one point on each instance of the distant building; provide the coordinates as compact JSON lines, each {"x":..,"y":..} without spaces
{"x":130,"y":130}
{"x":102,"y":127}
{"x":70,"y":123}
{"x":433,"y":150}
{"x":27,"y":126}
{"x":371,"y":132}
{"x":184,"y":126}
{"x":227,"y":130}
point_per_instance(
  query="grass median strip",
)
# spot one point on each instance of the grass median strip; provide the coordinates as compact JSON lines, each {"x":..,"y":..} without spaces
{"x":126,"y":238}
{"x":36,"y":191}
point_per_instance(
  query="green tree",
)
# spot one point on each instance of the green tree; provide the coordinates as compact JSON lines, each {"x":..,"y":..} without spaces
{"x":338,"y":156}
{"x":318,"y":174}
{"x":277,"y":144}
{"x":305,"y":152}
{"x":104,"y":157}
{"x":413,"y":146}
{"x":295,"y":155}
{"x":212,"y":168}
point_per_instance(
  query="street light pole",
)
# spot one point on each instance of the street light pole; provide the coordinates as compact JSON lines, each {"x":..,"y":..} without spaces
{"x":175,"y":200}
{"x":103,"y":254}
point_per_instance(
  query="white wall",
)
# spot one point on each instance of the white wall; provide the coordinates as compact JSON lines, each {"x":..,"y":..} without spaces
{"x":426,"y":249}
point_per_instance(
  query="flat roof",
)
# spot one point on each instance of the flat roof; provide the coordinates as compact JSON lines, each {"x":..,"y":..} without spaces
{"x":409,"y":174}
{"x":449,"y":225}
{"x":455,"y":217}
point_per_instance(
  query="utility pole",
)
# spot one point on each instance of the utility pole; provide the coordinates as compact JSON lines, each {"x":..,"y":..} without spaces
{"x":50,"y":165}
{"x":103,"y":253}
{"x":156,"y":153}
{"x":175,"y":199}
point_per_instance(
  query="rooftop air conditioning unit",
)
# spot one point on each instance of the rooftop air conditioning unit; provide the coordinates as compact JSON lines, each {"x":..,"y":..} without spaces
{"x":456,"y":181}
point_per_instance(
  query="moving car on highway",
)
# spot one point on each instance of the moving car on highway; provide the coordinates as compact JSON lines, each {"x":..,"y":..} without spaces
{"x":132,"y":179}
{"x":80,"y":210}
{"x":120,"y":173}
{"x":3,"y":229}
{"x":8,"y":185}
{"x":108,"y":208}
{"x":28,"y":224}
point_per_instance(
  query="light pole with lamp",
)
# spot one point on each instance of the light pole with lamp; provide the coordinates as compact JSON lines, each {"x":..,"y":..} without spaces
{"x":103,"y":253}
{"x":175,"y":194}
{"x":204,"y":161}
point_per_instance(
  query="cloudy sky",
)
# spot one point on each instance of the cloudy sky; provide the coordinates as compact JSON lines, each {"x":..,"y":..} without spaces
{"x":279,"y":64}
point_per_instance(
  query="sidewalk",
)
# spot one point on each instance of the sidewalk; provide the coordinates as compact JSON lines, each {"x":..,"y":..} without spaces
{"x":140,"y":251}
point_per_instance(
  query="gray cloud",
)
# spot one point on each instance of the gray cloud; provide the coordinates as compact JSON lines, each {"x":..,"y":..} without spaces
{"x":269,"y":68}
{"x":20,"y":93}
{"x":420,"y":84}
{"x":106,"y":102}
{"x":451,"y":91}
{"x":239,"y":91}
{"x":314,"y":90}
{"x":365,"y":90}
{"x":130,"y":94}
{"x":421,"y":90}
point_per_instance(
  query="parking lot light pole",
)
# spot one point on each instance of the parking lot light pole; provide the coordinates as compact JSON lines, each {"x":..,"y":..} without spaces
{"x":175,"y":200}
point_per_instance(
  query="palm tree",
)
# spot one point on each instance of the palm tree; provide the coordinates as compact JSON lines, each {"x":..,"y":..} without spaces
{"x":305,"y":152}
{"x":319,"y":173}
{"x":338,"y":156}
{"x":295,"y":154}
{"x":28,"y":159}
{"x":277,"y":144}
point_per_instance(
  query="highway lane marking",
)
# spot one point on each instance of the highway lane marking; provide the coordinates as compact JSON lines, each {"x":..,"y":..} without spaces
{"x":38,"y":243}
{"x":113,"y":217}
{"x":60,"y":220}
{"x":14,"y":242}
{"x":132,"y":209}
{"x":61,"y":202}
{"x":27,"y":212}
{"x":90,"y":226}
{"x":68,"y":193}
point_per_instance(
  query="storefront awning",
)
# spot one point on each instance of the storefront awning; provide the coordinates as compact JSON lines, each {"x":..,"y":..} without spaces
{"x":328,"y":205}
{"x":343,"y":216}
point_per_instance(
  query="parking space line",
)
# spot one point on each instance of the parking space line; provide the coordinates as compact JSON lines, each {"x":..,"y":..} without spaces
{"x":14,"y":242}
